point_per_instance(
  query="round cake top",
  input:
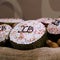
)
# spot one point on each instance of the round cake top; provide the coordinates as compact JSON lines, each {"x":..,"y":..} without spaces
{"x":54,"y":27}
{"x":4,"y":31}
{"x":27,"y":32}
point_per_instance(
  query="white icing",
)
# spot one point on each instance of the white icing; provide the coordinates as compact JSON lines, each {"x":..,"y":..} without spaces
{"x":53,"y":29}
{"x":5,"y":32}
{"x":25,"y":37}
{"x":57,"y":19}
{"x":46,"y":20}
{"x":11,"y":20}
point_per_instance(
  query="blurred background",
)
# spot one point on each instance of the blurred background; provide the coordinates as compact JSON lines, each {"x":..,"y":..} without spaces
{"x":29,"y":9}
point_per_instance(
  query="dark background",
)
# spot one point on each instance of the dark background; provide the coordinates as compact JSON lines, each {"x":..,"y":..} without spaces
{"x":31,"y":9}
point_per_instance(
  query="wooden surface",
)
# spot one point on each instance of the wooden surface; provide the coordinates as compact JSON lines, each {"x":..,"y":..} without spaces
{"x":44,"y":53}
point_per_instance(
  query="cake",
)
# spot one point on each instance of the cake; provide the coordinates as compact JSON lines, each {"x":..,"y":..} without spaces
{"x":53,"y":30}
{"x":46,"y":21}
{"x":4,"y":33}
{"x":11,"y":21}
{"x":28,"y":35}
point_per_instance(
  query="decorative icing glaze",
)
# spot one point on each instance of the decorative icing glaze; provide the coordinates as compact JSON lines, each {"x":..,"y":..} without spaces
{"x":4,"y":31}
{"x":10,"y":20}
{"x":46,"y":20}
{"x":27,"y":32}
{"x":54,"y":27}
